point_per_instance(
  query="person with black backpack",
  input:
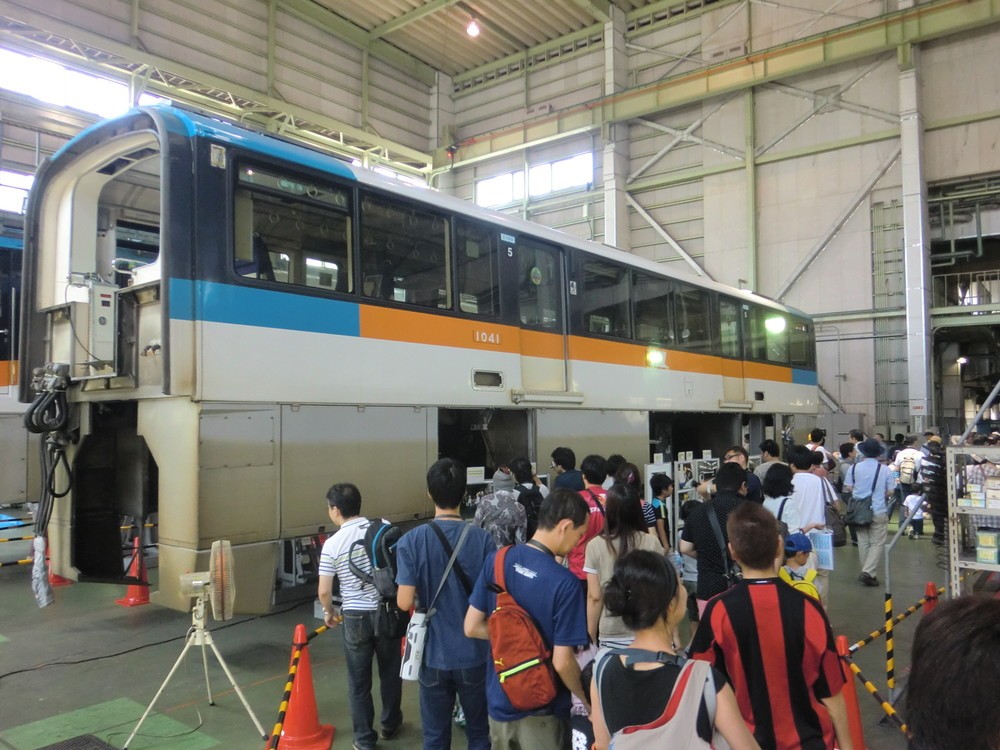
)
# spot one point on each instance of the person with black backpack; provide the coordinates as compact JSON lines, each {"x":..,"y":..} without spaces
{"x":529,"y":490}
{"x":437,"y":564}
{"x":345,"y":559}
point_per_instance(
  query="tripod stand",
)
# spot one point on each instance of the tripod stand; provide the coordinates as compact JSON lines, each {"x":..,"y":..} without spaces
{"x":198,"y":636}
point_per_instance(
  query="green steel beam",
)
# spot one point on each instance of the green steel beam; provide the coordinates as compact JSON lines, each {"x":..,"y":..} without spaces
{"x":599,"y":9}
{"x":122,"y":61}
{"x":414,"y":15}
{"x":330,"y":22}
{"x":933,"y":20}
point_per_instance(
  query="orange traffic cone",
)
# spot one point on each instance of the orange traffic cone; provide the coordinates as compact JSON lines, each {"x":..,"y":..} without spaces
{"x":301,"y":729}
{"x":137,"y":593}
{"x":931,"y":594}
{"x":850,"y":693}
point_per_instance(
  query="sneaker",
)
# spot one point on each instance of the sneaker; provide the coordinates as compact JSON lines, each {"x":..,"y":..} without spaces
{"x":386,"y":733}
{"x":867,"y":580}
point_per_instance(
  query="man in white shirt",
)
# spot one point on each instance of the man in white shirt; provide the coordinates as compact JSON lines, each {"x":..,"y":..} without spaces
{"x":811,"y":495}
{"x":357,"y":612}
{"x":909,"y":457}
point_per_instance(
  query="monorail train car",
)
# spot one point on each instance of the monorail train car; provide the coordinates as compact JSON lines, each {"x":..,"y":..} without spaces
{"x":285,"y":321}
{"x":15,"y":443}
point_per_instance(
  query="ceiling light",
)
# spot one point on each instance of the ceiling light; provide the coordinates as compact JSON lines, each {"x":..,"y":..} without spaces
{"x":472,"y":29}
{"x":962,"y":360}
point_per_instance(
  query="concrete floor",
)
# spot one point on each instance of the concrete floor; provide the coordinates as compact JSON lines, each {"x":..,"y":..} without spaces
{"x":88,"y":666}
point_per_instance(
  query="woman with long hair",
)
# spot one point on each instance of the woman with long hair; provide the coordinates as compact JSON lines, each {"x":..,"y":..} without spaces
{"x":624,"y":530}
{"x":633,"y":687}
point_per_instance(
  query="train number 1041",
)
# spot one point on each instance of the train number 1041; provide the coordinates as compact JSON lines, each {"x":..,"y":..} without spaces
{"x":487,"y":337}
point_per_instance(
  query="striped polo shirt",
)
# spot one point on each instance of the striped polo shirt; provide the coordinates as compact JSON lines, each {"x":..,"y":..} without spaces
{"x":354,"y":593}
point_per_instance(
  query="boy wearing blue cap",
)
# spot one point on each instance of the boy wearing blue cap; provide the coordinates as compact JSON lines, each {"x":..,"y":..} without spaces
{"x":795,"y":571}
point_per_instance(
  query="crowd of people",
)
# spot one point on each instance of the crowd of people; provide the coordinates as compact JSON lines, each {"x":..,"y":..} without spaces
{"x":590,"y":562}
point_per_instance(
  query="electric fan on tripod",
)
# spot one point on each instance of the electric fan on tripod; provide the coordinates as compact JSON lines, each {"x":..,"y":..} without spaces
{"x":217,"y":586}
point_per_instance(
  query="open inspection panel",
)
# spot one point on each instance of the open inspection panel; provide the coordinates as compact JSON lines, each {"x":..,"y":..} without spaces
{"x":973,"y":514}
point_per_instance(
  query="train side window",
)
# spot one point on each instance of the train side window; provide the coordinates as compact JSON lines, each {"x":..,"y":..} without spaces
{"x":693,"y":324}
{"x":800,"y":343}
{"x":477,"y":258}
{"x":729,"y":328}
{"x":540,"y":285}
{"x":404,"y":253}
{"x":606,"y":298}
{"x":654,"y":323}
{"x":768,"y":339}
{"x":292,"y":231}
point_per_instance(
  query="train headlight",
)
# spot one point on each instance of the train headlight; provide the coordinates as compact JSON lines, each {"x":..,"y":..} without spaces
{"x":656,"y":358}
{"x":775,"y":324}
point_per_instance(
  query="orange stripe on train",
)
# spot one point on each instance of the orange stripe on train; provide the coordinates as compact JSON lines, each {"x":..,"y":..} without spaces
{"x":8,"y":373}
{"x":390,"y":324}
{"x":438,"y":330}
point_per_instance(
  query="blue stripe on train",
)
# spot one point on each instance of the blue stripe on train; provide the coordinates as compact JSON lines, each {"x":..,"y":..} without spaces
{"x":804,"y":377}
{"x":228,"y":303}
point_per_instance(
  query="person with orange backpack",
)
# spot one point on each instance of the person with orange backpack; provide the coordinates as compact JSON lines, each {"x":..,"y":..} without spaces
{"x":531,"y":610}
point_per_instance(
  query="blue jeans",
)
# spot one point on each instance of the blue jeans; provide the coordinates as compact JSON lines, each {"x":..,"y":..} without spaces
{"x":361,"y":647}
{"x":437,"y":698}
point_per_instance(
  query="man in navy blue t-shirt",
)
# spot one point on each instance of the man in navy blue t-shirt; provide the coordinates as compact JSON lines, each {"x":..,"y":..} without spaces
{"x":452,"y":664}
{"x":554,"y":599}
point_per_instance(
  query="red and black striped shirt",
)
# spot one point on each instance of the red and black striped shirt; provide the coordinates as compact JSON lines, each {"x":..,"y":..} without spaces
{"x":776,"y":647}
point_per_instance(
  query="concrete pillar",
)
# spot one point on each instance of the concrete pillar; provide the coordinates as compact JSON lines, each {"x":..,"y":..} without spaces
{"x":916,"y":242}
{"x":616,"y":140}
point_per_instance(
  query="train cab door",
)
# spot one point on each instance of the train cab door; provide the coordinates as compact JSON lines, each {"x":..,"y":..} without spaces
{"x":540,"y":270}
{"x":730,"y":337}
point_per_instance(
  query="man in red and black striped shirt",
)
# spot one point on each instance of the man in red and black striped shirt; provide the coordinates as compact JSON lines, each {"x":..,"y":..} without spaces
{"x":775,"y":645}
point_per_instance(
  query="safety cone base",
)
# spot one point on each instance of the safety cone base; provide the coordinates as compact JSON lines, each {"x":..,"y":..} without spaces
{"x":320,"y":740}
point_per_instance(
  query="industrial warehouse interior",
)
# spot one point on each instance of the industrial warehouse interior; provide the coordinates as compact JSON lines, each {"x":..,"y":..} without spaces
{"x":254,"y":253}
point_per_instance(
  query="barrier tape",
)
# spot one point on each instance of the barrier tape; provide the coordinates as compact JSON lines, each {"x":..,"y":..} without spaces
{"x":896,"y":620}
{"x":17,"y":539}
{"x":890,"y":656}
{"x":28,"y":561}
{"x":886,"y":706}
{"x":286,"y":697}
{"x":132,"y":526}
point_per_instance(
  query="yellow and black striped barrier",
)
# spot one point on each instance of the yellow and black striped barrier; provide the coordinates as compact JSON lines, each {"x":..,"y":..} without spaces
{"x":890,"y":656}
{"x":24,"y":525}
{"x":26,"y":561}
{"x":895,"y":621}
{"x":17,"y":539}
{"x":886,"y":706}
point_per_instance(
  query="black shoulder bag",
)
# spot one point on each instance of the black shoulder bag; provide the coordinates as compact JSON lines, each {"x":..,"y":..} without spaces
{"x":732,"y":572}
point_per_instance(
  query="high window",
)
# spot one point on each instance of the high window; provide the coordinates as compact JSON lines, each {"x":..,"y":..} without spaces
{"x":540,"y":180}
